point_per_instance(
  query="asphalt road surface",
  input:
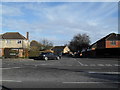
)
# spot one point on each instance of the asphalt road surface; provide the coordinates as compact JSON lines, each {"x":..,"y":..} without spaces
{"x":64,"y":73}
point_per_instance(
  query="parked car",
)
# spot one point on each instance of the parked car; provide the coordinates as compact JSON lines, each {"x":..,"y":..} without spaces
{"x":77,"y":55}
{"x":48,"y":55}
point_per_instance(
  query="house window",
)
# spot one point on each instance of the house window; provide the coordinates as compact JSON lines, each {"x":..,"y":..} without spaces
{"x":8,"y":41}
{"x":19,"y":41}
{"x":113,"y":42}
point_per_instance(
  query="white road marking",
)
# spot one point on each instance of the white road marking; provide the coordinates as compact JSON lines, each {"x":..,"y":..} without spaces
{"x":116,"y":65}
{"x":92,"y":65}
{"x":79,"y":62}
{"x":108,"y":65}
{"x":43,"y":64}
{"x":10,"y":68}
{"x":16,"y":67}
{"x":86,"y":82}
{"x":100,"y":65}
{"x":105,"y":72}
{"x":85,"y":65}
{"x":10,"y":81}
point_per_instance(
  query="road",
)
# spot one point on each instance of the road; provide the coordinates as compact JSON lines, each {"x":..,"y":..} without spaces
{"x":64,"y":73}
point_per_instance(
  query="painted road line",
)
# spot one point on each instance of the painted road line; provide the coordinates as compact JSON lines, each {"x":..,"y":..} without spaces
{"x":92,"y":65}
{"x":43,"y":64}
{"x":116,"y":65}
{"x":79,"y":62}
{"x":16,"y":67}
{"x":85,"y":65}
{"x":10,"y":81}
{"x":100,"y":64}
{"x":86,"y":82}
{"x":105,"y":72}
{"x":108,"y":65}
{"x":10,"y":68}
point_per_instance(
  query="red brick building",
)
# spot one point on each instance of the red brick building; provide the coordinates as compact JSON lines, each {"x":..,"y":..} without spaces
{"x":108,"y":46}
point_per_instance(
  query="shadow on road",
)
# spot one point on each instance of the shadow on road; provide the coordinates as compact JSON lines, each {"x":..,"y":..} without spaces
{"x":5,"y":88}
{"x":112,"y":77}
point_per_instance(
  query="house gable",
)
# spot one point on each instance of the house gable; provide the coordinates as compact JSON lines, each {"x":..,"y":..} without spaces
{"x":59,"y":49}
{"x":105,"y":41}
{"x":12,"y":35}
{"x":13,"y":40}
{"x":66,"y":49}
{"x":113,"y":41}
{"x":113,"y":36}
{"x":13,"y":44}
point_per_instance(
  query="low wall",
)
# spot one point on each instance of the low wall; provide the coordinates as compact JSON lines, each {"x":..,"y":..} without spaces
{"x":108,"y":52}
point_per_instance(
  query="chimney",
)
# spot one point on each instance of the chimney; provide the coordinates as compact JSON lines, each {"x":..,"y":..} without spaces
{"x":27,"y":35}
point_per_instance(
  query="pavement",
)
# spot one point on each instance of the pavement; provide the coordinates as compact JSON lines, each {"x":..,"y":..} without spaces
{"x":64,"y":73}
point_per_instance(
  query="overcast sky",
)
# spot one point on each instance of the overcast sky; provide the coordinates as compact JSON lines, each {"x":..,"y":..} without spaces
{"x":59,"y":22}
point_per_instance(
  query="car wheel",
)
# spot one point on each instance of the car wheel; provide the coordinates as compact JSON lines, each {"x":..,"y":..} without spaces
{"x":46,"y":58}
{"x":57,"y":58}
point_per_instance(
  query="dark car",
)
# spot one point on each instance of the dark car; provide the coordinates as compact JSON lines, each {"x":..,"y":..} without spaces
{"x":77,"y":55}
{"x":48,"y":55}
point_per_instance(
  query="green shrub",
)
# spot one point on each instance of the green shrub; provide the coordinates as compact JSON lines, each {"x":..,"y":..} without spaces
{"x":34,"y":53}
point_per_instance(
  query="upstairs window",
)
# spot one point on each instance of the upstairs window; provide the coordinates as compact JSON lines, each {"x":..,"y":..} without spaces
{"x":113,"y":42}
{"x":8,"y":41}
{"x":19,"y":41}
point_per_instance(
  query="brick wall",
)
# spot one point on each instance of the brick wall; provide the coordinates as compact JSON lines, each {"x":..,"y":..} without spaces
{"x":109,"y":45}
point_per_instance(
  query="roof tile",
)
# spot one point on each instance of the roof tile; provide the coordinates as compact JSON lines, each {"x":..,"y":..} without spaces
{"x":12,"y":35}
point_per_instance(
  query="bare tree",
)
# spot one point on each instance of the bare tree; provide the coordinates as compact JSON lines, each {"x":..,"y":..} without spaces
{"x":46,"y":44}
{"x":79,"y":42}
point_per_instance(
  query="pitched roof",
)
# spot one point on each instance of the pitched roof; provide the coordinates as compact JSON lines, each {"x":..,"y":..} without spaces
{"x":12,"y":35}
{"x":111,"y":36}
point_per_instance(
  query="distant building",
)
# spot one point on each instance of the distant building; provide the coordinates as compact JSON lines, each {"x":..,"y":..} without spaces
{"x":61,"y":49}
{"x":13,"y":44}
{"x":108,"y":46}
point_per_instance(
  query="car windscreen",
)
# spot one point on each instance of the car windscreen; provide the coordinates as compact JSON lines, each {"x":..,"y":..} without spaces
{"x":46,"y":53}
{"x":43,"y":53}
